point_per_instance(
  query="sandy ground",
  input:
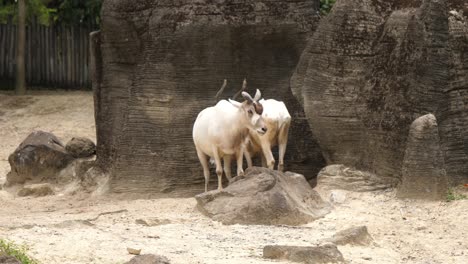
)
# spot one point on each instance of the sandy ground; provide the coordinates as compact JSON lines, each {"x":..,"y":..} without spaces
{"x":90,"y":229}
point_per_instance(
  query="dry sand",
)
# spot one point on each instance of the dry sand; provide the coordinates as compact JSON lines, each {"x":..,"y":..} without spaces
{"x":98,"y":229}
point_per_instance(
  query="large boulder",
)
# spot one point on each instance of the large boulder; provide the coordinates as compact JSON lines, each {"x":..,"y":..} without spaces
{"x":157,"y":64}
{"x":423,"y":165}
{"x":264,"y":196}
{"x":373,"y":67}
{"x":39,"y":158}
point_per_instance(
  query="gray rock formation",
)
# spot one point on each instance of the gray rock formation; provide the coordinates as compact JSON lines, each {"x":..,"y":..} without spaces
{"x":157,"y":64}
{"x":40,"y":157}
{"x":341,"y":177}
{"x":148,"y":259}
{"x":80,"y":147}
{"x":423,"y":165}
{"x":357,"y":235}
{"x":326,"y":253}
{"x":372,"y":67}
{"x":264,"y":196}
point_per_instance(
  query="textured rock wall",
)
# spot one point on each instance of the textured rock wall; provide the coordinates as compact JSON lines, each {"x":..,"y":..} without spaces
{"x":161,"y":62}
{"x":423,"y":174}
{"x":372,"y":67}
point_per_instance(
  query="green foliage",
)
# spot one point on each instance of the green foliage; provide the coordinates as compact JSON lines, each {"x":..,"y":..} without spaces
{"x":71,"y":12}
{"x":19,"y":252}
{"x":38,"y":8}
{"x":35,"y":8}
{"x":326,"y":6}
{"x":79,"y":11}
{"x":453,"y":196}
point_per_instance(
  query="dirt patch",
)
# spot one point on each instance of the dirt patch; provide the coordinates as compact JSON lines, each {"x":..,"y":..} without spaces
{"x":99,"y":229}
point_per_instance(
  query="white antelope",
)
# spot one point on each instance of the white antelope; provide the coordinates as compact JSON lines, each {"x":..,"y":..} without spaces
{"x":277,"y":120}
{"x":221,"y":131}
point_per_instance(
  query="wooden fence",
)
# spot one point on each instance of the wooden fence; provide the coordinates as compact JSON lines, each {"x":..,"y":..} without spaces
{"x":55,"y":56}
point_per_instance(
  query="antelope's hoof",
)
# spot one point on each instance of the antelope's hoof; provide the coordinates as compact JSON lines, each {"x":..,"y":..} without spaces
{"x":281,"y":168}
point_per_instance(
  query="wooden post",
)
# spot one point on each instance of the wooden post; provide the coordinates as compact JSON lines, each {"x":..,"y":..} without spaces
{"x":20,"y":67}
{"x":3,"y":49}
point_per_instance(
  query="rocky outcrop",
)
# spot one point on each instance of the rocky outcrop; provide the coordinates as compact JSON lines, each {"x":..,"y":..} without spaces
{"x":341,"y":177}
{"x":373,"y":67}
{"x":423,"y":165}
{"x":40,"y":157}
{"x":326,"y":253}
{"x":264,"y":196}
{"x":159,"y":63}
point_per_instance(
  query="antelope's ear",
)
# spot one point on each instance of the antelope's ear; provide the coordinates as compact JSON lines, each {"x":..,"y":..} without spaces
{"x":257,"y":96}
{"x":235,"y":103}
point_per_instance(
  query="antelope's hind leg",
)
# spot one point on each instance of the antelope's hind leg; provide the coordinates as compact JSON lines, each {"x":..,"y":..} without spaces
{"x":206,"y":170}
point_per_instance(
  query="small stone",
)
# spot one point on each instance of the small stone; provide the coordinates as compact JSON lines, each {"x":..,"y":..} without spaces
{"x":134,"y":251}
{"x":152,"y":221}
{"x":420,"y":228}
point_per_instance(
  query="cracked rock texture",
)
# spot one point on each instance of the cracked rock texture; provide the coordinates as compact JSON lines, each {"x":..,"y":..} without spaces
{"x":372,"y":67}
{"x":157,"y":64}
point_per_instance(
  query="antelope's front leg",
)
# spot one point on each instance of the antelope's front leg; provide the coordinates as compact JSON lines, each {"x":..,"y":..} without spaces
{"x":266,"y":149}
{"x":240,"y":158}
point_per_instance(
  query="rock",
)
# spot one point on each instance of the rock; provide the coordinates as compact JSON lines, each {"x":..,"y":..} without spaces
{"x":424,"y":175}
{"x":158,"y":64}
{"x":36,"y":190}
{"x":339,"y":176}
{"x":148,"y":259}
{"x":371,"y":68}
{"x":337,"y":197}
{"x":8,"y":260}
{"x":80,"y":147}
{"x":134,"y":251}
{"x":326,"y":253}
{"x":152,"y":221}
{"x":352,"y":236}
{"x":266,"y":197}
{"x":38,"y":158}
